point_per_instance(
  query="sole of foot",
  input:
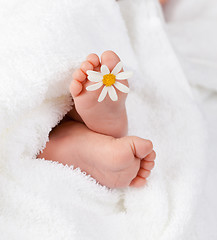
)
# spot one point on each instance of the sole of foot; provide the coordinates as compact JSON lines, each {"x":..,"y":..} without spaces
{"x":130,"y":163}
{"x":113,"y":162}
{"x":107,"y":117}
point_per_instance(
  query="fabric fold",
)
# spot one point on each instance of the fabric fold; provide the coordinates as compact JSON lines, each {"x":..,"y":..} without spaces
{"x":41,"y":45}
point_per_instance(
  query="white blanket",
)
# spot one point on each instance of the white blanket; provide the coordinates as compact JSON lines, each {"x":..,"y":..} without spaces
{"x":191,"y":26}
{"x":41,"y":43}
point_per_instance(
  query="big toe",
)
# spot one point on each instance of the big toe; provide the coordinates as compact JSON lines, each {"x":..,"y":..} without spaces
{"x":110,"y":59}
{"x":141,"y":147}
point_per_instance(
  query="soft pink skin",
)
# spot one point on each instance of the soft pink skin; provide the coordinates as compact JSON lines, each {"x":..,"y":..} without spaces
{"x":94,"y":139}
{"x":115,"y":163}
{"x":111,"y":116}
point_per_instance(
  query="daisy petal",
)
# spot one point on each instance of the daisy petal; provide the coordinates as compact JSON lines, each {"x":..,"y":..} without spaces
{"x":95,"y":78}
{"x":124,"y":75}
{"x":112,"y":93}
{"x":94,"y":87}
{"x":90,"y":72}
{"x":121,"y":87}
{"x":104,"y":70}
{"x":103,"y":94}
{"x":117,"y":68}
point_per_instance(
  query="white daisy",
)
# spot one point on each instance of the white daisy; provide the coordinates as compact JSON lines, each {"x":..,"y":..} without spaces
{"x":109,"y":81}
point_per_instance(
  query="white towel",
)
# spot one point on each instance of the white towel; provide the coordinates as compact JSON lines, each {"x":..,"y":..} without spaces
{"x":191,"y":26}
{"x":40,"y":46}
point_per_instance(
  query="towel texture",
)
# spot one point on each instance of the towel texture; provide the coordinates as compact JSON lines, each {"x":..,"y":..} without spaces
{"x":191,"y":26}
{"x":40,"y":46}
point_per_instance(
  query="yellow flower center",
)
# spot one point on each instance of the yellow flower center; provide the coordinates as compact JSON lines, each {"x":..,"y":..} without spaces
{"x":109,"y":79}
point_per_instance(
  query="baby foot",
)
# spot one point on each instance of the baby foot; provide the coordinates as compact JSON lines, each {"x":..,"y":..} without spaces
{"x":106,"y":117}
{"x":113,"y":162}
{"x":129,"y":163}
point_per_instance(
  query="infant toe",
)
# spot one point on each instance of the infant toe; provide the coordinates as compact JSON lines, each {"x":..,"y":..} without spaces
{"x":85,"y":66}
{"x":142,"y":147}
{"x":138,"y":182}
{"x":79,"y":75}
{"x":148,"y":165}
{"x":75,"y":88}
{"x":144,"y":173}
{"x":110,"y":59}
{"x":151,"y":156}
{"x":93,"y":59}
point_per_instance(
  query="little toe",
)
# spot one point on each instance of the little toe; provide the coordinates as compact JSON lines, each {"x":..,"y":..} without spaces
{"x":75,"y":88}
{"x":147,"y":165}
{"x":110,"y":59}
{"x":93,"y":59}
{"x":143,"y":173}
{"x":85,"y":66}
{"x":138,"y":182}
{"x":79,"y":75}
